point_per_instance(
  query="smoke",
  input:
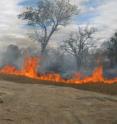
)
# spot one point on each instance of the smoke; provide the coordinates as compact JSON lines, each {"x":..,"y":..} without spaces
{"x":12,"y":55}
{"x":53,"y":61}
{"x":15,"y":56}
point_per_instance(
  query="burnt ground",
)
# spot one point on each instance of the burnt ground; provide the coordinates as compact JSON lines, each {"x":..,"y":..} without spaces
{"x":27,"y":101}
{"x":110,"y":89}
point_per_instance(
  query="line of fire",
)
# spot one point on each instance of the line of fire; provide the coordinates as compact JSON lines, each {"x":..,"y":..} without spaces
{"x":30,"y":70}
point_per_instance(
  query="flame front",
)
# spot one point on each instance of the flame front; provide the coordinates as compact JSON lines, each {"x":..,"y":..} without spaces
{"x":30,"y":70}
{"x":30,"y":67}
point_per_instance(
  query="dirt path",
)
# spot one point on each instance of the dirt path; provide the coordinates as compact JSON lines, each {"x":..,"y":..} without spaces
{"x":42,"y":104}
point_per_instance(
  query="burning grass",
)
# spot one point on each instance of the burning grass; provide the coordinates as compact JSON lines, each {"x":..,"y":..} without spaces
{"x":31,"y":65}
{"x":28,"y":74}
{"x":95,"y":87}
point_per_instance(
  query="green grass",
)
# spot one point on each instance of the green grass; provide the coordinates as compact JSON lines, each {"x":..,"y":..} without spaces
{"x":110,"y":89}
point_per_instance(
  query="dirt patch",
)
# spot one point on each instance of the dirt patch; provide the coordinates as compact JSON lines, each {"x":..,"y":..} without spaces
{"x":26,"y":103}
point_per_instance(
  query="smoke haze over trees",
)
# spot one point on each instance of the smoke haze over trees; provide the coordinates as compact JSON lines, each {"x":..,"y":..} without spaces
{"x":79,"y":43}
{"x":75,"y":52}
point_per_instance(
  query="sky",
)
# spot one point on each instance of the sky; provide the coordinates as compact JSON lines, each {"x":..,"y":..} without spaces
{"x":99,"y":13}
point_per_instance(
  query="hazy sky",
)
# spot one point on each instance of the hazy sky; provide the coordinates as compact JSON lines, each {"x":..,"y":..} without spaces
{"x":100,"y":13}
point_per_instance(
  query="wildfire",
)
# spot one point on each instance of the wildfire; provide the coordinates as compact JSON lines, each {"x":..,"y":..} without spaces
{"x":30,"y":66}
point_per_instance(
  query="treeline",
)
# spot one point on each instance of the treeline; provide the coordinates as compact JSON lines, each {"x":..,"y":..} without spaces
{"x":78,"y":52}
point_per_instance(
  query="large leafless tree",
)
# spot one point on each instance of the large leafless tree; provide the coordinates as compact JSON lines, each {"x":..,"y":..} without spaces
{"x":46,"y":17}
{"x":111,"y":46}
{"x":79,"y":43}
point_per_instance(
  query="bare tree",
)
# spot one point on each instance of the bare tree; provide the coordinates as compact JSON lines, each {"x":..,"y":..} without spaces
{"x":46,"y":17}
{"x":79,"y":43}
{"x":111,"y":49}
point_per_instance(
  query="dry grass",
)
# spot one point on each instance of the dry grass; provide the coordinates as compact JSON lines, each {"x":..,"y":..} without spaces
{"x":95,"y":87}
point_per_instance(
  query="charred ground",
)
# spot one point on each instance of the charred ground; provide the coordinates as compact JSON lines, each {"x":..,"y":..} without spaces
{"x":95,"y":87}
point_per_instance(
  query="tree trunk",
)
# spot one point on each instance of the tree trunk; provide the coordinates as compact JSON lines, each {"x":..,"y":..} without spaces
{"x":44,"y":45}
{"x":43,"y":48}
{"x":78,"y":62}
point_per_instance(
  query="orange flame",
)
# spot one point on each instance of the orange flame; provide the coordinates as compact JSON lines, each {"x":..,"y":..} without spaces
{"x":30,"y":70}
{"x":30,"y":67}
